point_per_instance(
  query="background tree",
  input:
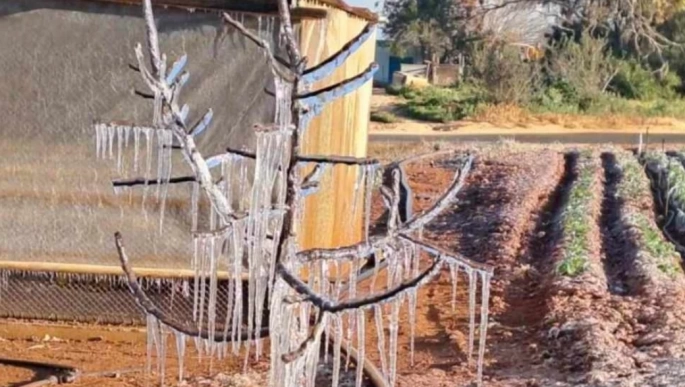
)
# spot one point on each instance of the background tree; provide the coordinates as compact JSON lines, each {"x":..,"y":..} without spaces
{"x":432,"y":26}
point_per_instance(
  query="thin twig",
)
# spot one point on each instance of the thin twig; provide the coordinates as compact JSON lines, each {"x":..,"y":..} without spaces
{"x":290,"y":40}
{"x":447,"y":255}
{"x":314,"y":159}
{"x":273,"y":63}
{"x":337,"y":160}
{"x":326,"y":305}
{"x":311,"y":339}
{"x":395,"y":201}
{"x":141,"y":181}
{"x":321,"y":93}
{"x":243,"y":153}
{"x":364,"y":249}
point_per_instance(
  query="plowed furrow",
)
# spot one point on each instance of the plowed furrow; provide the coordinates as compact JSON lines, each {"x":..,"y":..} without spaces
{"x":620,"y":250}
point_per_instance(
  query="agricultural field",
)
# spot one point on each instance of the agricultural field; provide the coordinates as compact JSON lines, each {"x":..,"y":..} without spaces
{"x":588,"y":286}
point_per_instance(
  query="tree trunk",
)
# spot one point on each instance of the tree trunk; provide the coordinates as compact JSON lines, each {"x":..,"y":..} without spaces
{"x":432,"y":68}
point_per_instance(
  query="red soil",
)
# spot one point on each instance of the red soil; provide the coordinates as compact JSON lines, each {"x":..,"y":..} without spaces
{"x":538,"y":335}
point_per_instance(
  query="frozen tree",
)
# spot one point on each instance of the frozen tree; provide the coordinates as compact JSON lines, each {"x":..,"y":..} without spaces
{"x":296,"y":297}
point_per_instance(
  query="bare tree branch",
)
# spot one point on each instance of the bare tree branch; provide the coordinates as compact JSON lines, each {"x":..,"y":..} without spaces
{"x":142,"y":181}
{"x":151,"y":309}
{"x":243,"y":153}
{"x":448,"y":256}
{"x":317,"y":331}
{"x":273,"y":62}
{"x":337,"y":160}
{"x":296,"y":62}
{"x":366,"y":248}
{"x":313,"y":178}
{"x":448,"y":197}
{"x":326,"y":305}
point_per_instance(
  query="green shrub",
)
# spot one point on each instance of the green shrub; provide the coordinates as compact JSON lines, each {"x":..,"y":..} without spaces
{"x":634,"y":81}
{"x":584,"y":66}
{"x":606,"y":104}
{"x":498,"y":70}
{"x":393,"y":89}
{"x":384,"y":117}
{"x":674,"y":29}
{"x":438,"y":104}
{"x":559,"y":97}
{"x":551,"y":100}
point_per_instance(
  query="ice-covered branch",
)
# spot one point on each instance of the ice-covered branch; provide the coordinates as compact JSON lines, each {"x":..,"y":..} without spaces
{"x":204,"y":178}
{"x":339,"y":90}
{"x":394,"y":201}
{"x":337,"y":160}
{"x":325,"y":305}
{"x":169,"y":116}
{"x":153,"y":40}
{"x":202,"y":124}
{"x":263,"y":44}
{"x":142,"y":181}
{"x":366,"y":248}
{"x":293,"y":47}
{"x":151,"y":309}
{"x":317,"y":331}
{"x":449,"y":257}
{"x":336,"y":60}
{"x":448,"y":197}
{"x":358,"y":250}
{"x":176,"y":69}
{"x":149,"y":79}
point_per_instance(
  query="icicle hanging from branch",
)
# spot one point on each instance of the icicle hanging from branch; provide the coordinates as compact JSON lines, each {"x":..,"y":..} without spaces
{"x":473,"y":282}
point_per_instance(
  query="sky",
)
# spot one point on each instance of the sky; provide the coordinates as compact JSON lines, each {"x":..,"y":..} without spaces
{"x":363,"y":3}
{"x":370,"y":5}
